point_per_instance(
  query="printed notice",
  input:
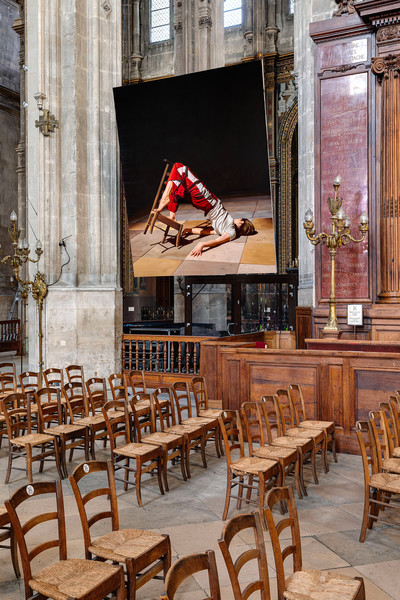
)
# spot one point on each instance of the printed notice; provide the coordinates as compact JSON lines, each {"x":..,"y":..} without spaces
{"x":354,"y":314}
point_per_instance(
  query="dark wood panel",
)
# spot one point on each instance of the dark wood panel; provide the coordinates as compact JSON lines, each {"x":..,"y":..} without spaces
{"x":371,"y":387}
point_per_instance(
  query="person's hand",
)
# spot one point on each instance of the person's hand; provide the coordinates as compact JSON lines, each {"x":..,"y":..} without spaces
{"x":197,"y":250}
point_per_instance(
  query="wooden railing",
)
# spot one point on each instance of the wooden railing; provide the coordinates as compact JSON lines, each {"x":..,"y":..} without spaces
{"x":172,"y":354}
{"x":10,"y":336}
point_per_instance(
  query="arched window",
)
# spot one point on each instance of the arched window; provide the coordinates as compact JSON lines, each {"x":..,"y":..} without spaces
{"x":160,"y":20}
{"x":233,"y":15}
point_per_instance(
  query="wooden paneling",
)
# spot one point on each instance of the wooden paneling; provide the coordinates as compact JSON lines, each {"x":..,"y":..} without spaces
{"x":303,"y":325}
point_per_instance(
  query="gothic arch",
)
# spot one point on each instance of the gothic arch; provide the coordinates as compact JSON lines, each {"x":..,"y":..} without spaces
{"x":287,"y":197}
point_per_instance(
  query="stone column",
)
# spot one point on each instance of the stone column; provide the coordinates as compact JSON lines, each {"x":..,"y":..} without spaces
{"x":387,"y":69}
{"x":271,"y":31}
{"x":73,"y":52}
{"x":205,"y":36}
{"x":136,"y":57}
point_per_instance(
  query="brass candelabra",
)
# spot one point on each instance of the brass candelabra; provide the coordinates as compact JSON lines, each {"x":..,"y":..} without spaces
{"x":339,"y":236}
{"x":38,"y":286}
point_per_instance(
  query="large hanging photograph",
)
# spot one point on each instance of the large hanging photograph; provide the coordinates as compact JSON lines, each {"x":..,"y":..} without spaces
{"x":196,"y":174}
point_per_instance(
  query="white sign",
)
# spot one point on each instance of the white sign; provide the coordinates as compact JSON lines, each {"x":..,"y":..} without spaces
{"x":354,"y":314}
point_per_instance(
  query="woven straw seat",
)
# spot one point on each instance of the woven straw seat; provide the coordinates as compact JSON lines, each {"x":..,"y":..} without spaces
{"x":391,"y":464}
{"x":212,"y":413}
{"x":72,"y":578}
{"x":251,"y":464}
{"x":125,"y":543}
{"x":59,"y":429}
{"x":92,"y":420}
{"x":133,"y":449}
{"x":290,"y":442}
{"x":385,"y":481}
{"x":32,"y":439}
{"x":273,"y":452}
{"x":162,"y":437}
{"x":320,"y":585}
{"x":182,"y":428}
{"x":328,"y":425}
{"x":199,"y":420}
{"x":396,"y":452}
{"x":302,"y":432}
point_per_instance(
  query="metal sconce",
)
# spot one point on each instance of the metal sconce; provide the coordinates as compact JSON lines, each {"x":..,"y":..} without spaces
{"x":46,"y":122}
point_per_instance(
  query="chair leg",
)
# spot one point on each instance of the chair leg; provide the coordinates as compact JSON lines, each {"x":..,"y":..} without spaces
{"x":131,"y":587}
{"x":29,"y":463}
{"x":217,"y":444}
{"x":14,"y":553}
{"x":203,"y":451}
{"x":121,"y":591}
{"x":365,"y":516}
{"x":62,"y":454}
{"x":187,"y":452}
{"x":9,"y":463}
{"x":138,"y":480}
{"x":313,"y":464}
{"x":297,"y":478}
{"x":301,"y":473}
{"x":159,"y":478}
{"x":164,"y":463}
{"x":334,"y":447}
{"x":57,"y":457}
{"x":228,"y":496}
{"x":261,"y":494}
{"x":182,"y":461}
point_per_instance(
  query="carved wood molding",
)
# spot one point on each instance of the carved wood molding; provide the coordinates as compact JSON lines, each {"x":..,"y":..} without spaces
{"x":346,"y":7}
{"x":382,"y":67}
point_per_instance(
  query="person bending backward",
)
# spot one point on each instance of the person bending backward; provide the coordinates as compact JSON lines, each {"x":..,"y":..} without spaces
{"x":182,"y":184}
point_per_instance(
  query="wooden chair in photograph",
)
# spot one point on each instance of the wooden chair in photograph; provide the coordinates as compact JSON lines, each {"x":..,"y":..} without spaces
{"x":183,"y":405}
{"x":53,"y":421}
{"x":53,"y":377}
{"x":143,"y":553}
{"x":245,"y":473}
{"x":299,"y":405}
{"x":135,"y":382}
{"x":390,"y":423}
{"x":118,"y":386}
{"x":251,"y":524}
{"x":7,"y":533}
{"x":186,"y":567}
{"x":378,"y":486}
{"x":199,"y":390}
{"x":384,"y":461}
{"x":78,"y":411}
{"x":173,"y":445}
{"x":75,"y":374}
{"x":194,"y":434}
{"x":8,"y":368}
{"x":79,"y":579}
{"x":29,"y":381}
{"x":252,"y":418}
{"x":22,"y":443}
{"x":147,"y":458}
{"x":303,"y":583}
{"x":288,"y":417}
{"x":273,"y":426}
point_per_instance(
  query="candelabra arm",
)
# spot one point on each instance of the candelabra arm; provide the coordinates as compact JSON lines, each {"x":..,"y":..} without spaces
{"x":350,"y":238}
{"x":6,"y":259}
{"x":316,"y":239}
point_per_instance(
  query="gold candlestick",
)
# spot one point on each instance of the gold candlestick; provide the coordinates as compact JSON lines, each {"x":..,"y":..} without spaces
{"x":339,"y":236}
{"x":38,"y":286}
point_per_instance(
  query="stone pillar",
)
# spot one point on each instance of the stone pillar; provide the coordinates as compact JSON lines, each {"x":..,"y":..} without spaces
{"x":73,"y":53}
{"x":205,"y":35}
{"x":136,"y":56}
{"x":271,"y":31}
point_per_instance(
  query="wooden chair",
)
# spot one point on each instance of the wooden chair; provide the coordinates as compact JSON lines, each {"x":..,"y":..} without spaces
{"x":305,"y":446}
{"x":7,"y":533}
{"x":118,"y":386}
{"x":29,"y":381}
{"x":53,"y":421}
{"x":259,"y":445}
{"x":146,"y":457}
{"x":53,"y":377}
{"x":7,"y":384}
{"x":299,"y":406}
{"x":75,"y":374}
{"x":264,"y":472}
{"x":385,"y":462}
{"x":390,"y":423}
{"x":78,"y":411}
{"x":96,"y":391}
{"x":194,"y":434}
{"x":378,"y":486}
{"x":80,"y":579}
{"x":250,"y":524}
{"x":183,"y":405}
{"x":8,"y":368}
{"x":22,"y":443}
{"x":319,"y":436}
{"x":199,"y":390}
{"x":144,"y":553}
{"x":303,"y":583}
{"x":135,"y":382}
{"x":173,"y":445}
{"x":189,"y":565}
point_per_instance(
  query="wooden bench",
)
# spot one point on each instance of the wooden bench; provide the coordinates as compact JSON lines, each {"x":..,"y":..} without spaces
{"x":10,"y":336}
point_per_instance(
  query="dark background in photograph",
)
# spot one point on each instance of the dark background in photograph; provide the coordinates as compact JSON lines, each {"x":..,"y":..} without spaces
{"x":213,"y":121}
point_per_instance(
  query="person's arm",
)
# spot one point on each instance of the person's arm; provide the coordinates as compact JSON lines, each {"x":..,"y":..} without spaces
{"x":165,"y":197}
{"x":222,"y":239}
{"x":198,"y":231}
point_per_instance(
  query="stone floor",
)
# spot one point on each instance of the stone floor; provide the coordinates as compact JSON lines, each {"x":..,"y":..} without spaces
{"x":191,"y":514}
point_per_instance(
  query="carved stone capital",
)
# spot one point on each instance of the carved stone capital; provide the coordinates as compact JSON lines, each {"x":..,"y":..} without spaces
{"x":205,"y":21}
{"x":178,"y":27}
{"x":388,"y":33}
{"x":346,"y":7}
{"x":382,"y":67}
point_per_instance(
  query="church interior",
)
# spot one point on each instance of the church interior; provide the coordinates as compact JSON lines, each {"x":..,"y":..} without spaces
{"x":223,"y":423}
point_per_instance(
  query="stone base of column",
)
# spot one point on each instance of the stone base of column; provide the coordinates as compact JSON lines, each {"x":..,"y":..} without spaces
{"x":81,"y":326}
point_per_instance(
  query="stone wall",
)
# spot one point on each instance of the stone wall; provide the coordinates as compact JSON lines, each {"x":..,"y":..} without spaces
{"x":9,"y":128}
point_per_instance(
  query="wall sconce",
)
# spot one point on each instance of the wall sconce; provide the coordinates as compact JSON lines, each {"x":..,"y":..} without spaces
{"x":47,"y":122}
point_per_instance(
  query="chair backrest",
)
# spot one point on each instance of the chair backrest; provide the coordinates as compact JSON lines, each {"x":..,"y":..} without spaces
{"x":118,"y":386}
{"x":285,"y":409}
{"x":293,"y":547}
{"x":199,"y":390}
{"x":189,"y":565}
{"x":75,"y":374}
{"x":379,"y":433}
{"x":235,"y":564}
{"x":7,"y":383}
{"x":368,"y":449}
{"x":252,"y":424}
{"x":271,"y":419}
{"x":38,"y":514}
{"x":232,"y":433}
{"x":390,"y":426}
{"x":53,"y":377}
{"x":182,"y":400}
{"x":17,"y":412}
{"x":29,"y":381}
{"x":8,"y":368}
{"x":75,"y":398}
{"x":298,"y":404}
{"x":147,"y":421}
{"x":115,"y":413}
{"x":165,"y":412}
{"x":90,"y":515}
{"x":394,"y":413}
{"x":50,"y":410}
{"x":135,"y":381}
{"x":97,"y":393}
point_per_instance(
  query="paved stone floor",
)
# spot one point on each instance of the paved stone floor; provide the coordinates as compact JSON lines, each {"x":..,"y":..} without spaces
{"x":191,"y":514}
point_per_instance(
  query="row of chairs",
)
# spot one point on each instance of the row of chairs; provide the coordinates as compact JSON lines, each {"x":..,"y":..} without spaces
{"x":30,"y":380}
{"x":145,"y":554}
{"x":379,"y":440}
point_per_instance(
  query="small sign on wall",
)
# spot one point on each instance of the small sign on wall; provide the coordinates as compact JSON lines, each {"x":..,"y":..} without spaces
{"x":354,"y":314}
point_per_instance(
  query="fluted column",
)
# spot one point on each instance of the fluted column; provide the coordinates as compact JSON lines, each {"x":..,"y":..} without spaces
{"x":387,"y":70}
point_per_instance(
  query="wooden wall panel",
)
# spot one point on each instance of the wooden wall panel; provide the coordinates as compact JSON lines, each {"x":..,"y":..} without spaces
{"x":372,"y":387}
